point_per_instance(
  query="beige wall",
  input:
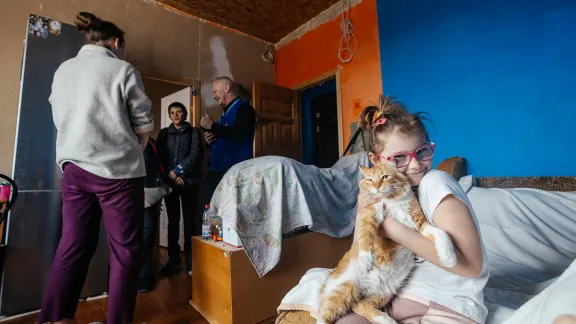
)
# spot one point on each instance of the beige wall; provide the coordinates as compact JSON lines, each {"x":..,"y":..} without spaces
{"x":156,"y":90}
{"x":158,"y":40}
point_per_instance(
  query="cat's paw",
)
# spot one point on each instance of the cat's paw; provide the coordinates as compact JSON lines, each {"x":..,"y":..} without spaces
{"x":443,"y":245}
{"x":445,"y":250}
{"x":366,"y":259}
{"x":320,"y":321}
{"x":447,"y":257}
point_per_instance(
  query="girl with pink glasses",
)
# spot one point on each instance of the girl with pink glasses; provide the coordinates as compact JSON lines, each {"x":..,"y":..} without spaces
{"x":432,"y":294}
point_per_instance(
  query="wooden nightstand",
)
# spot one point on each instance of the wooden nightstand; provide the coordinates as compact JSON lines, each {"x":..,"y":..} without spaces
{"x":227,"y":290}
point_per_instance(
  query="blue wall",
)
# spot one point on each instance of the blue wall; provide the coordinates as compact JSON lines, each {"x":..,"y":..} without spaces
{"x":306,"y":98}
{"x":498,"y":79}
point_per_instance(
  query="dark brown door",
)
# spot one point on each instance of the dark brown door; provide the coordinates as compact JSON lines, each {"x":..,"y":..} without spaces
{"x":325,"y":130}
{"x":278,"y":131}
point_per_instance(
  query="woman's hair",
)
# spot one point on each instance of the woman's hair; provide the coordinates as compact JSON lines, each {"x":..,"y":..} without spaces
{"x":96,"y":30}
{"x":397,"y":119}
{"x":177,"y":104}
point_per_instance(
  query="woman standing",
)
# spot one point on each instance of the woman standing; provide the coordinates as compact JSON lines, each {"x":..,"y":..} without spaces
{"x":103,"y":119}
{"x":180,"y":148}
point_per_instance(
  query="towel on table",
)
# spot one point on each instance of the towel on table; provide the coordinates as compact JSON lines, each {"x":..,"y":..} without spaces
{"x":266,"y":197}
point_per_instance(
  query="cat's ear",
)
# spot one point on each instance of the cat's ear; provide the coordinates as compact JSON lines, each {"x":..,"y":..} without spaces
{"x":364,"y":169}
{"x":374,"y":159}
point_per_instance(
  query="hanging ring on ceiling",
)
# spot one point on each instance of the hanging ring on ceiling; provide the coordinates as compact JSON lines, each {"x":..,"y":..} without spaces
{"x":268,"y":55}
{"x":348,"y":41}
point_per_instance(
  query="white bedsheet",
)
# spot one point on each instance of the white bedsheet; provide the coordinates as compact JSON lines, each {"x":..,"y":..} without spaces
{"x":497,"y":314}
{"x":557,"y":299}
{"x":530,"y":240}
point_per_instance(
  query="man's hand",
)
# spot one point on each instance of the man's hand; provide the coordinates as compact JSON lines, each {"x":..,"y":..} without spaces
{"x":179,"y":181}
{"x":210,"y":138}
{"x":206,"y":121}
{"x":173,"y":175}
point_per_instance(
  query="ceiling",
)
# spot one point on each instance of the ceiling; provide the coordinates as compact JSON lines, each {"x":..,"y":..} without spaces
{"x":269,"y":20}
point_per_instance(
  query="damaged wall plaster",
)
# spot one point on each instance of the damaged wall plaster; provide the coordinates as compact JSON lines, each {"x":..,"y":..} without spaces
{"x":326,"y":16}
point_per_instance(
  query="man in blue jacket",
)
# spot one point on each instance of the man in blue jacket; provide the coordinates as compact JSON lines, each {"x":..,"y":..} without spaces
{"x":231,"y":139}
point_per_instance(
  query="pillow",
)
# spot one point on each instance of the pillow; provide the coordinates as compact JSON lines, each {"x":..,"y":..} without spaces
{"x":529,"y":236}
{"x":455,"y":166}
{"x":558,"y":299}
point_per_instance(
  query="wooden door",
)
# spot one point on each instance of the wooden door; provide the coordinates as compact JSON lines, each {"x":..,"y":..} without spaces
{"x":278,"y":131}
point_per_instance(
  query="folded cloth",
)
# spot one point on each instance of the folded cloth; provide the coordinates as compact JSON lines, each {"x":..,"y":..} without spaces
{"x":306,"y":295}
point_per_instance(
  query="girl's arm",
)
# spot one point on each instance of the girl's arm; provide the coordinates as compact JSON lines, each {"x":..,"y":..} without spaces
{"x":453,"y":216}
{"x":163,"y":156}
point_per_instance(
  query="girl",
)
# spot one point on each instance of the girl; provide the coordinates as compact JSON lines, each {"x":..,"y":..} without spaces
{"x":103,"y":119}
{"x":432,"y":294}
{"x":154,"y":191}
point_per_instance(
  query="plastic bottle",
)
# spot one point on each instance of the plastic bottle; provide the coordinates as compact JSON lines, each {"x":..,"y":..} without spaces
{"x":206,"y":228}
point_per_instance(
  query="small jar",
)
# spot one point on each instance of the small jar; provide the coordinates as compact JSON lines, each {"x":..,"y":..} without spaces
{"x":216,"y":220}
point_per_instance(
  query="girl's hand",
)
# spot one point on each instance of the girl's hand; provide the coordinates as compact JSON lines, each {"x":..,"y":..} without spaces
{"x":366,"y":199}
{"x":391,"y":227}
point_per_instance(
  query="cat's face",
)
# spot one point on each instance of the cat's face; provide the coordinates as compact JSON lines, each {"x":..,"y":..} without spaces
{"x":399,"y":143}
{"x":385,"y":180}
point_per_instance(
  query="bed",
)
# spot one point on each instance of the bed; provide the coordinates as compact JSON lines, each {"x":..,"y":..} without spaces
{"x":528,"y":226}
{"x":274,"y":199}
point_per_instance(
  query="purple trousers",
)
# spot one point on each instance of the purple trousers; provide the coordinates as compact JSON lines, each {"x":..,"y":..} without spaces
{"x":86,"y":197}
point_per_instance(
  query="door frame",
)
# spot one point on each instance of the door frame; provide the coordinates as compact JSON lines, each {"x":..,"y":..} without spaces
{"x":194,"y":113}
{"x":333,"y":74}
{"x":195,"y":101}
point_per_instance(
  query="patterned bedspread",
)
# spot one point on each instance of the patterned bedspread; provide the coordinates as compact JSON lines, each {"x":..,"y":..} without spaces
{"x":268,"y":196}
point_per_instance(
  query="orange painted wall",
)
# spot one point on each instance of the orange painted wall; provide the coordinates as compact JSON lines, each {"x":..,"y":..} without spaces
{"x":316,"y":53}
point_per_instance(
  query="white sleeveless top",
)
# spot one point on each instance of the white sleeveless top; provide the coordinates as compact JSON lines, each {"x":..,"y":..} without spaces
{"x":460,"y":294}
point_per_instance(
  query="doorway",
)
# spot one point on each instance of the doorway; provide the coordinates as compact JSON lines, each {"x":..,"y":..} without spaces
{"x":156,"y":90}
{"x":162,"y":93}
{"x":320,"y":141}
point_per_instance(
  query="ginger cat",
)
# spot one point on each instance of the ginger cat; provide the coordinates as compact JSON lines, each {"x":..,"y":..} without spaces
{"x":374,"y":268}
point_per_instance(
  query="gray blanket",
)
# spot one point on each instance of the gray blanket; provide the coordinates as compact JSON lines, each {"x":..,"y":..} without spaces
{"x":268,"y":196}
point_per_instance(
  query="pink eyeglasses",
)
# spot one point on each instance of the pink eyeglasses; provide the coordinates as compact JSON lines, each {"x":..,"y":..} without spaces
{"x":422,"y":153}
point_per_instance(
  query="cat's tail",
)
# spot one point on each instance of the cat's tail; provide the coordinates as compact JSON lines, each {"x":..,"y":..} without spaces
{"x":337,"y":302}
